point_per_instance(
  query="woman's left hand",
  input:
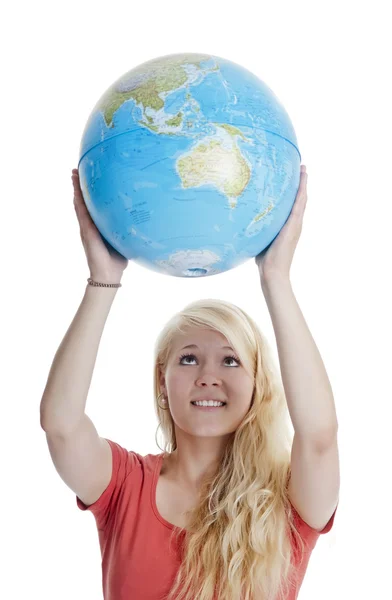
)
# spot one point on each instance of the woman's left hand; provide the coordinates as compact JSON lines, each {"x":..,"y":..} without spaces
{"x":278,"y":256}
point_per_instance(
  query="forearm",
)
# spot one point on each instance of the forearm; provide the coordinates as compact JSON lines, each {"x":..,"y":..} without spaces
{"x":64,"y":399}
{"x":307,"y":387}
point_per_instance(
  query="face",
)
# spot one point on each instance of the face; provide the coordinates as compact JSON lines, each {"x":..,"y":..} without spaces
{"x":207,"y":370}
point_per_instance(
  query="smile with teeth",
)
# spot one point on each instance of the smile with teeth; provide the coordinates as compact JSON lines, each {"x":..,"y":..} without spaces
{"x":209,"y":403}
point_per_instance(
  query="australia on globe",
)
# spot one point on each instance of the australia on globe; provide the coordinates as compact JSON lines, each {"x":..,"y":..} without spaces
{"x":189,"y":165}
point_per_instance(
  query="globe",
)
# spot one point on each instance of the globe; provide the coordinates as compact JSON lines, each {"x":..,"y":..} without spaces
{"x":189,"y":165}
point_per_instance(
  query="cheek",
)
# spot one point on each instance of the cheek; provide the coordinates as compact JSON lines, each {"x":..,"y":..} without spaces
{"x":177,"y":381}
{"x":243,"y":385}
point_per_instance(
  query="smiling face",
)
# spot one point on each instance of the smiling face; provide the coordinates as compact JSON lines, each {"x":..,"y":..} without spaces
{"x":207,"y":370}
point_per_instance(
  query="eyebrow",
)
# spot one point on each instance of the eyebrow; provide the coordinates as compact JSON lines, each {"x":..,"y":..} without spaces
{"x":194,"y":346}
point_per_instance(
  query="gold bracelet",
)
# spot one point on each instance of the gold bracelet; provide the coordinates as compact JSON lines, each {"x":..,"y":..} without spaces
{"x":96,"y":283}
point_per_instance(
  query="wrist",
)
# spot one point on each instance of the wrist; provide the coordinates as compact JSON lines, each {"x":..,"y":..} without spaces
{"x":99,"y":291}
{"x":274,"y":279}
{"x":101,"y":278}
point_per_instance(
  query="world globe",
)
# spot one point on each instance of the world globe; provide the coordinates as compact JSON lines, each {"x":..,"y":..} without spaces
{"x":189,"y":165}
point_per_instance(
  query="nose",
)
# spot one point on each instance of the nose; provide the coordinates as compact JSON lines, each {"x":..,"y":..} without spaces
{"x":207,"y":380}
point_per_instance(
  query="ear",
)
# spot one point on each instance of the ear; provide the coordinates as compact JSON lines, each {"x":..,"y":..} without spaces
{"x":162,"y":382}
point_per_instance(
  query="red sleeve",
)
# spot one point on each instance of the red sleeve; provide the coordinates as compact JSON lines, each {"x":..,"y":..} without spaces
{"x":123,"y":463}
{"x":307,"y":532}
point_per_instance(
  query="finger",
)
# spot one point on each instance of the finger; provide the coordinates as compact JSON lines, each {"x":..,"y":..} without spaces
{"x":303,"y":180}
{"x":302,"y":189}
{"x":78,"y":195}
{"x":76,"y":182}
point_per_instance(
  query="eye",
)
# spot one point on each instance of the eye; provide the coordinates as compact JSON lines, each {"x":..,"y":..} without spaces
{"x":192,"y":356}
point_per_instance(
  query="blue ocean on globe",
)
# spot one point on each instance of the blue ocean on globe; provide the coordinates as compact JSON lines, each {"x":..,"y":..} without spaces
{"x":189,"y":165}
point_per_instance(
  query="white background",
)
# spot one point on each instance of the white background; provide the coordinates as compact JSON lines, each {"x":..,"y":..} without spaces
{"x":327,"y":63}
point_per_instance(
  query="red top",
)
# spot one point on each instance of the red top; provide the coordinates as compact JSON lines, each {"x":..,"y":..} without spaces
{"x":137,"y":562}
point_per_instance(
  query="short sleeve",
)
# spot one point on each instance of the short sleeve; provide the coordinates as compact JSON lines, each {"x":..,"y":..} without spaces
{"x":123,"y":463}
{"x":307,"y":532}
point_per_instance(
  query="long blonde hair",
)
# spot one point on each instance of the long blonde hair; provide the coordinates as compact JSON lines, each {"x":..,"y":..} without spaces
{"x":237,"y":545}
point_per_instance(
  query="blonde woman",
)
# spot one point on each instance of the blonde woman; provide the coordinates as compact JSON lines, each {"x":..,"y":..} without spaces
{"x":233,"y":506}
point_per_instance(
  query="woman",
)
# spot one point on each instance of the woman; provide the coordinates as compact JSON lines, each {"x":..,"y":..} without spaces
{"x":233,"y":506}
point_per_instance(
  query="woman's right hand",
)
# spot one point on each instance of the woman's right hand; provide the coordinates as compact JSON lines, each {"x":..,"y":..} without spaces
{"x":105,"y":263}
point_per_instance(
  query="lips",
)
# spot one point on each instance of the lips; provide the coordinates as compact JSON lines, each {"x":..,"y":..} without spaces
{"x":209,"y":400}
